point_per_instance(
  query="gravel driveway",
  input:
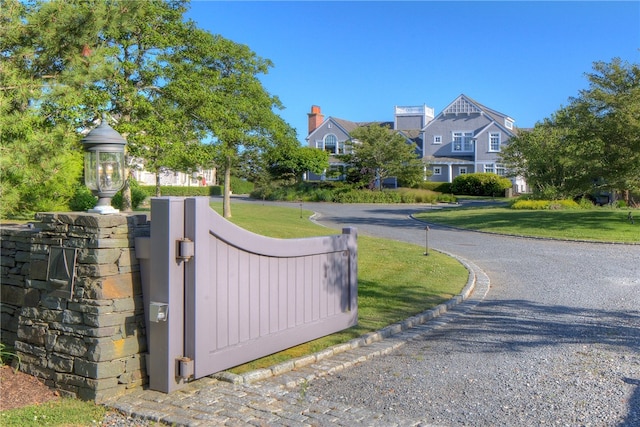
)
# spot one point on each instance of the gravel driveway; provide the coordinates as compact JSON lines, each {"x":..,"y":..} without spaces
{"x":555,"y":342}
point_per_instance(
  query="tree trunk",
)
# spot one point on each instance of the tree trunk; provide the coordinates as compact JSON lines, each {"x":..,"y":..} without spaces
{"x":226,"y":204}
{"x":126,"y":193}
{"x":158,"y":192}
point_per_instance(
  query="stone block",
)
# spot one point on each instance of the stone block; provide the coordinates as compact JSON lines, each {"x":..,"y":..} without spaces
{"x":128,"y":257}
{"x":38,"y":352}
{"x":109,"y":349}
{"x":103,"y":320}
{"x":60,"y":363}
{"x":22,"y":256}
{"x":13,"y":295}
{"x":120,"y":286}
{"x":38,"y":270}
{"x":127,"y":304}
{"x":70,"y":345}
{"x":33,"y":334}
{"x":36,"y":284}
{"x":99,"y":396}
{"x":100,"y":370}
{"x":97,"y":270}
{"x":54,"y":303}
{"x":71,"y":379}
{"x":98,"y":256}
{"x":85,"y":307}
{"x":7,"y":261}
{"x":72,"y":317}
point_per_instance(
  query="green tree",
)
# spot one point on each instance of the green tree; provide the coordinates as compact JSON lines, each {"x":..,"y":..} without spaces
{"x":607,"y":116}
{"x":40,"y":157}
{"x":378,"y":153}
{"x":215,"y":81}
{"x":289,"y":162}
{"x":544,"y":157}
{"x":591,"y":144}
{"x":70,"y":61}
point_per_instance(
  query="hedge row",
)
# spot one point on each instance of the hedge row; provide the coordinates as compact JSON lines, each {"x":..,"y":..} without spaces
{"x":480,"y":184}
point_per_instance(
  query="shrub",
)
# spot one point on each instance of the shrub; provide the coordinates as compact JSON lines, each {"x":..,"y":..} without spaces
{"x":545,"y":204}
{"x":82,"y":200}
{"x":241,"y":186}
{"x":138,"y":194}
{"x":480,"y":184}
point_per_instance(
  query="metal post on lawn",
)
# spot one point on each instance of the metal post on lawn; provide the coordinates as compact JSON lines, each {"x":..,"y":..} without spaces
{"x":426,"y":241}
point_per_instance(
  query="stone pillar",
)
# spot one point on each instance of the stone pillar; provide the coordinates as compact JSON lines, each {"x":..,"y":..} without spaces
{"x":88,"y":343}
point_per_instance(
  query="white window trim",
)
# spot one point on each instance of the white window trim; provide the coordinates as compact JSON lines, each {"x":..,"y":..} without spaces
{"x":437,"y":139}
{"x":462,"y":170}
{"x":437,"y":170}
{"x":335,"y":146}
{"x":489,"y":168}
{"x":491,"y":150}
{"x":467,"y":142}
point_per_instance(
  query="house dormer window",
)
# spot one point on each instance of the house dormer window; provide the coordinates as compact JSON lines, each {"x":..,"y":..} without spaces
{"x":462,"y":142}
{"x":330,"y":143}
{"x":508,"y":124}
{"x":494,"y":141}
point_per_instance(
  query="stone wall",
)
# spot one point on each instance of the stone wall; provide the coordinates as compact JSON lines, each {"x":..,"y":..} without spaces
{"x":87,"y":341}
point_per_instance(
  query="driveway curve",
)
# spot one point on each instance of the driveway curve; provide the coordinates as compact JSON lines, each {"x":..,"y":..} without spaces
{"x":556,"y":341}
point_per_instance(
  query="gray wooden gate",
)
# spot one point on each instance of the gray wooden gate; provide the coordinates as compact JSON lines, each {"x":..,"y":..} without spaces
{"x":217,"y":295}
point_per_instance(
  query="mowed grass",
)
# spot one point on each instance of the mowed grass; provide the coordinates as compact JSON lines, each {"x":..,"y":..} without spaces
{"x":598,"y":224}
{"x":395,"y":279}
{"x":62,"y":412}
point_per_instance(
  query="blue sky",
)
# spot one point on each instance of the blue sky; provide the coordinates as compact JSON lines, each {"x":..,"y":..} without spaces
{"x":359,"y":59}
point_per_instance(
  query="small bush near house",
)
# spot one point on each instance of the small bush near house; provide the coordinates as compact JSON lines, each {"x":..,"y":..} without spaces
{"x":545,"y":205}
{"x":480,"y":184}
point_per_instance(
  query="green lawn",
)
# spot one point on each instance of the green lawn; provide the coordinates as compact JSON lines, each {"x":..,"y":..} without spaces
{"x":395,"y":279}
{"x":598,"y":224}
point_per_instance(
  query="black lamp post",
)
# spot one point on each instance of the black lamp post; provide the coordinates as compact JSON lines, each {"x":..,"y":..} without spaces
{"x":104,"y":165}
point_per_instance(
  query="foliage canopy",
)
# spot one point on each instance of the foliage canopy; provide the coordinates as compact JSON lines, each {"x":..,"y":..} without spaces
{"x":593,"y":144}
{"x":164,"y":83}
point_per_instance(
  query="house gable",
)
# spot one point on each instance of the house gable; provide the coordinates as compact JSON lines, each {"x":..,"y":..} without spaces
{"x":466,"y":136}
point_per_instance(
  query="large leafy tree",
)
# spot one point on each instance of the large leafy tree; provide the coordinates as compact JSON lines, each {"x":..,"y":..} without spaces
{"x":164,"y":83}
{"x":73,"y":61}
{"x":591,"y":144}
{"x":607,"y":116}
{"x":41,"y":160}
{"x":216,"y":82}
{"x":378,"y":153}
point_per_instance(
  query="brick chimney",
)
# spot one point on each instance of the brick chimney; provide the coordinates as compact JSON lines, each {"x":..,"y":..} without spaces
{"x":315,"y":118}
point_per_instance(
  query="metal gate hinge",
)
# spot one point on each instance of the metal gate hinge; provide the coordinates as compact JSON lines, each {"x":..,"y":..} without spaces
{"x":185,"y":367}
{"x":186,"y":249}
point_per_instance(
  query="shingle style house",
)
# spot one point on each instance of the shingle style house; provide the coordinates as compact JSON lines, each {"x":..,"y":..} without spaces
{"x":332,"y":134}
{"x":466,"y":137}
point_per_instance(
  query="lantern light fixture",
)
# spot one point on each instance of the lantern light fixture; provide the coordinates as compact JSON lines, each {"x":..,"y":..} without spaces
{"x":104,"y":172}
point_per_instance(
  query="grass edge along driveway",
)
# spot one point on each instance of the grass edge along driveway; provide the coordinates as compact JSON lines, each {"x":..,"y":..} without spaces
{"x":597,"y":225}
